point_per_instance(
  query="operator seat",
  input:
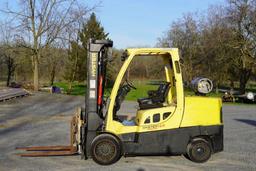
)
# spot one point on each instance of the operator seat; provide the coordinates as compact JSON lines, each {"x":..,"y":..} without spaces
{"x":156,"y":98}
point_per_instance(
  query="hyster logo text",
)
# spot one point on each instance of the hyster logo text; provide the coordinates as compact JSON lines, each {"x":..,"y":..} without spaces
{"x":93,"y":64}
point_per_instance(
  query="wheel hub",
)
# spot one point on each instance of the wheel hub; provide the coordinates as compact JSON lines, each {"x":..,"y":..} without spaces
{"x":200,"y":151}
{"x":105,"y":150}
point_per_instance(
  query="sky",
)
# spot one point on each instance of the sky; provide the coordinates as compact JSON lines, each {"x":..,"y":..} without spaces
{"x":138,"y":23}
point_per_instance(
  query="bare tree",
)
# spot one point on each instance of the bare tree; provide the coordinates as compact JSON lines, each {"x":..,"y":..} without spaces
{"x":52,"y":62}
{"x":7,"y":50}
{"x":221,"y":44}
{"x":185,"y":35}
{"x":42,"y":22}
{"x":74,"y":53}
{"x":241,"y":15}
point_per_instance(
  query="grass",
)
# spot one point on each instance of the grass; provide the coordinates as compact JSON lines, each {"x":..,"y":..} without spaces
{"x":78,"y":88}
{"x":143,"y":88}
{"x":189,"y":92}
{"x":141,"y":91}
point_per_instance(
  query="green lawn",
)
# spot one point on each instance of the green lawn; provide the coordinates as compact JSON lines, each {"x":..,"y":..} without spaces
{"x":141,"y":91}
{"x":133,"y":95}
{"x":189,"y":92}
{"x":78,"y":88}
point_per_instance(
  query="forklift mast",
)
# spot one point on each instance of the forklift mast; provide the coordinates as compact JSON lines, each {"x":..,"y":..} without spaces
{"x":84,"y":124}
{"x":99,"y":53}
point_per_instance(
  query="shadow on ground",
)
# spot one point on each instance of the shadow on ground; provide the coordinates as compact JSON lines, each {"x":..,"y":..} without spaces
{"x":247,"y":121}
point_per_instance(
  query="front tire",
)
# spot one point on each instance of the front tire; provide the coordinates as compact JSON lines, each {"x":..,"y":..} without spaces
{"x":199,"y":150}
{"x":105,"y":149}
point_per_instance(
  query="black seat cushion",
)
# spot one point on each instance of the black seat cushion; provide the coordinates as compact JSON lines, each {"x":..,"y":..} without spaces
{"x":156,"y":98}
{"x":147,"y":103}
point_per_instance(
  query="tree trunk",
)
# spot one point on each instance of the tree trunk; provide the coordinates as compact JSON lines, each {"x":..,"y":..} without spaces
{"x":8,"y":78}
{"x":9,"y":74}
{"x":232,"y":85}
{"x":53,"y":74}
{"x":244,"y":77}
{"x":10,"y":70}
{"x":69,"y":87}
{"x":52,"y":78}
{"x":36,"y":73}
{"x":73,"y":74}
{"x":242,"y":85}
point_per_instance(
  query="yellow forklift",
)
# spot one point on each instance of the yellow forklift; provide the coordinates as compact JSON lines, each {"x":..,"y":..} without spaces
{"x":166,"y":122}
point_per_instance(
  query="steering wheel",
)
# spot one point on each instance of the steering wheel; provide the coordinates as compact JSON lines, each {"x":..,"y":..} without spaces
{"x":130,"y":85}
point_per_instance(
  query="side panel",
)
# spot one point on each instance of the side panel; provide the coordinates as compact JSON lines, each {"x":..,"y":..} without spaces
{"x":202,"y":111}
{"x":170,"y":142}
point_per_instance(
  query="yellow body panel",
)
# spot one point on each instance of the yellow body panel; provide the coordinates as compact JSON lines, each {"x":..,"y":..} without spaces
{"x":203,"y":111}
{"x":173,"y":121}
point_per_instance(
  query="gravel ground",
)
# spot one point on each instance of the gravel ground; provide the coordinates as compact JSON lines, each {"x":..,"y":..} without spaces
{"x":43,"y":119}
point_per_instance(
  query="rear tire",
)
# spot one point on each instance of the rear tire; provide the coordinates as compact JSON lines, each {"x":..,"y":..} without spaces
{"x":105,"y":149}
{"x":199,"y":150}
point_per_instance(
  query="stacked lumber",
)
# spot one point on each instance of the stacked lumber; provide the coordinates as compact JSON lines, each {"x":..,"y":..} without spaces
{"x":10,"y":93}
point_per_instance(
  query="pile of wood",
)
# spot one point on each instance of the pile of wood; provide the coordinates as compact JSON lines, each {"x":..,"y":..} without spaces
{"x":10,"y":93}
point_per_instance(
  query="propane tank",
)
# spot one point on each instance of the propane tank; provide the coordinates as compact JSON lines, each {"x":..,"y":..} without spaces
{"x":201,"y":85}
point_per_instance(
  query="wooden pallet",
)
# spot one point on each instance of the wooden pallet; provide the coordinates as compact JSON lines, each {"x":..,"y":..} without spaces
{"x":10,"y":93}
